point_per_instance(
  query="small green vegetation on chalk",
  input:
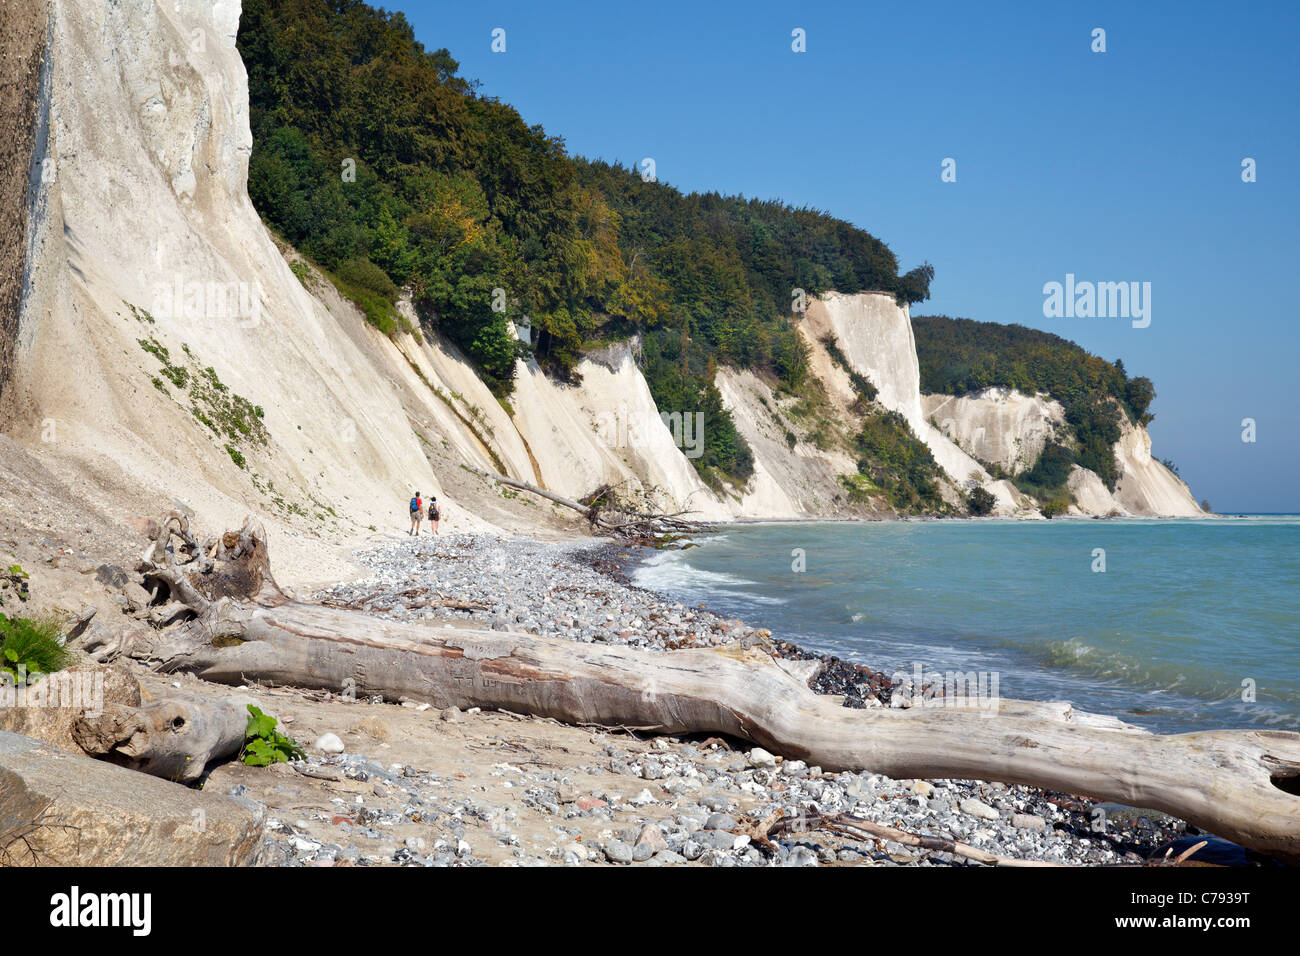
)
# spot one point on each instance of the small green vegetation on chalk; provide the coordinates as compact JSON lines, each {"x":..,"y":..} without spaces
{"x":13,"y":583}
{"x":233,"y":420}
{"x":140,"y":314}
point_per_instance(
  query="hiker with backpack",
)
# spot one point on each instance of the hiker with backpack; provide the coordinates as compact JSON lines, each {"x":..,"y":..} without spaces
{"x":435,"y":515}
{"x":417,"y":511}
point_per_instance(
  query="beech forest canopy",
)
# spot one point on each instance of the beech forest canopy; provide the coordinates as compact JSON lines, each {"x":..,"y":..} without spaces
{"x":378,"y":161}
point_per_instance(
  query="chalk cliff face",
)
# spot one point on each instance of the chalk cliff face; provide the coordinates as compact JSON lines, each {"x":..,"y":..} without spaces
{"x":875,"y":335}
{"x":1146,"y":487}
{"x":22,"y":53}
{"x":997,"y":425}
{"x":1005,"y":427}
{"x":151,"y":296}
{"x":798,"y":480}
{"x":609,"y":431}
{"x":142,"y":231}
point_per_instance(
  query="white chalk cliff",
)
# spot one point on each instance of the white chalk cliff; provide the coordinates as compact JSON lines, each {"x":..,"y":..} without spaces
{"x":139,"y":189}
{"x":1005,"y":427}
{"x":997,"y":425}
{"x":1146,"y":488}
{"x":875,"y":336}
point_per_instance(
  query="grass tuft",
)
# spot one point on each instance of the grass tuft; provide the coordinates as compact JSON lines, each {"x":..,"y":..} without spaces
{"x":30,"y":646}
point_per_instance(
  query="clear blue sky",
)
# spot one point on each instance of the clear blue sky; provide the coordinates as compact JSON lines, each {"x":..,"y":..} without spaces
{"x":1115,"y":166}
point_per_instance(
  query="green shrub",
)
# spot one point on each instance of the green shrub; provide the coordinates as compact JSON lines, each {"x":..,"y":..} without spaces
{"x":377,"y":309}
{"x":1096,"y":422}
{"x":980,"y":502}
{"x":1046,"y":480}
{"x":859,"y":487}
{"x":899,"y":463}
{"x":177,"y":375}
{"x":364,"y":274}
{"x":1055,"y":507}
{"x":30,"y":646}
{"x":680,"y":378}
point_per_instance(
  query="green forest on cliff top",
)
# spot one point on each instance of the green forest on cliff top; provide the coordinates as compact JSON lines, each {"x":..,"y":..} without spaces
{"x":378,"y":161}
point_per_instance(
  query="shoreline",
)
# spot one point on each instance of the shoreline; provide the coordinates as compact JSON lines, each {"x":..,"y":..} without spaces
{"x":581,"y":590}
{"x":1129,"y":657}
{"x":1010,"y":519}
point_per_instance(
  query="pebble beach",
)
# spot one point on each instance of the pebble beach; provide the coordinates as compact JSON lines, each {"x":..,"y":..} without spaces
{"x":633,"y":799}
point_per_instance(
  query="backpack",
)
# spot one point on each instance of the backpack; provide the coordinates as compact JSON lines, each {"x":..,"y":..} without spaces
{"x":415,"y":506}
{"x":435,"y":513}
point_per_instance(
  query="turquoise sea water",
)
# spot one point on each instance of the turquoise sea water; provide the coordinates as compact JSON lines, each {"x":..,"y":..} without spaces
{"x":1184,"y":613}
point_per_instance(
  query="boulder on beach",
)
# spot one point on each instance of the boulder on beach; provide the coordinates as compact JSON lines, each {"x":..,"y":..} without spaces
{"x":64,"y":809}
{"x":46,"y":710}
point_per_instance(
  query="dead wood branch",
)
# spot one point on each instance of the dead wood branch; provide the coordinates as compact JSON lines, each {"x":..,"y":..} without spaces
{"x":606,"y":511}
{"x":844,"y":824}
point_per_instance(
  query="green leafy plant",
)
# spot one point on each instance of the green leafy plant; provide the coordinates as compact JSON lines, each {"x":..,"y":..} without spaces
{"x":30,"y":647}
{"x":264,"y":745}
{"x":13,"y":583}
{"x":899,"y":463}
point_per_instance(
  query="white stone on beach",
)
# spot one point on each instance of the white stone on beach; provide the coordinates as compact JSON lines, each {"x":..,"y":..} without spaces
{"x":977,"y":808}
{"x":329,"y":744}
{"x":1028,"y":821}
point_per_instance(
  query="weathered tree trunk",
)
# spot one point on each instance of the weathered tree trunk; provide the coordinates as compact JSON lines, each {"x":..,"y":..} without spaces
{"x":174,"y":738}
{"x":607,"y":513}
{"x":1241,"y":785}
{"x":589,"y":513}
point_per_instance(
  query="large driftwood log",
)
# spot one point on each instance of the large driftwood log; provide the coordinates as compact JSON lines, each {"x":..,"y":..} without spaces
{"x":174,"y":738}
{"x":1241,"y":785}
